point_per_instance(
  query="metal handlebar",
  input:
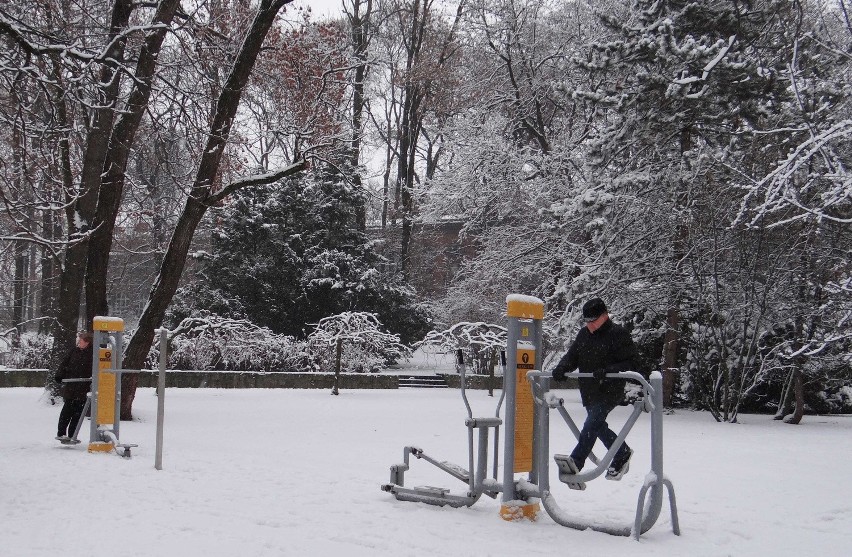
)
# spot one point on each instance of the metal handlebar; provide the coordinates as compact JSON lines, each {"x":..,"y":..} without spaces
{"x":647,"y":389}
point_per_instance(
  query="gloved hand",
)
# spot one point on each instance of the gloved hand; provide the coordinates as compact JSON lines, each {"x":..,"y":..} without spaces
{"x":559,"y":374}
{"x":600,"y":374}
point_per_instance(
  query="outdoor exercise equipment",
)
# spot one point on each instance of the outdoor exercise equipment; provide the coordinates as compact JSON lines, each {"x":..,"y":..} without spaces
{"x":106,"y":388}
{"x":105,"y":396}
{"x":476,"y":481}
{"x":526,"y":426}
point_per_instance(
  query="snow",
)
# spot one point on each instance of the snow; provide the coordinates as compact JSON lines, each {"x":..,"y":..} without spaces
{"x":297,"y":472}
{"x":110,"y":323}
{"x":523,"y":299}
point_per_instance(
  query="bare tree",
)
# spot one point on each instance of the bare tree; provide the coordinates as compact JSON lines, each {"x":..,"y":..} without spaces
{"x":202,"y":194}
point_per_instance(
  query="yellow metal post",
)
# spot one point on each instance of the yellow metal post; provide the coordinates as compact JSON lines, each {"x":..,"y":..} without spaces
{"x":522,"y":352}
{"x":105,"y":387}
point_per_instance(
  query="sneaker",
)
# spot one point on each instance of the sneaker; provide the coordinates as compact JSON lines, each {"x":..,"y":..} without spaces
{"x":617,"y":471}
{"x":568,"y":468}
{"x":62,"y":438}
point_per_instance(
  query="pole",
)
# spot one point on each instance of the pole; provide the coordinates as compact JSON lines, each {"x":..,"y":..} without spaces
{"x":509,"y":388}
{"x":96,"y":375}
{"x":161,"y":396}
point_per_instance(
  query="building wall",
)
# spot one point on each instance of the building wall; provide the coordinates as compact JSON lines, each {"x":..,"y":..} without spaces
{"x":436,"y":253}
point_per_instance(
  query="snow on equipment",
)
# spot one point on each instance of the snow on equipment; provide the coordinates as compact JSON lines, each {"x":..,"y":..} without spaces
{"x":526,"y":440}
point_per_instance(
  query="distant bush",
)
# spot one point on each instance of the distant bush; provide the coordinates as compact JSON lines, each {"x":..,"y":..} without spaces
{"x":365,"y":346}
{"x":33,"y":352}
{"x":211,"y":342}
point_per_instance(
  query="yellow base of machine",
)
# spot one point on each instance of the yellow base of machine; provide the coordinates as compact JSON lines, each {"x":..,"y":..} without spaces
{"x":100,"y":447}
{"x":512,"y":512}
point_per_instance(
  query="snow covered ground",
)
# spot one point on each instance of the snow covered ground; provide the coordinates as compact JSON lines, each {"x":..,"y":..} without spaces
{"x":297,"y":472}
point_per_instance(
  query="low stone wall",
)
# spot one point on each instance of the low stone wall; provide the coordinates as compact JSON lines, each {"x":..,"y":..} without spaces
{"x":479,"y":382}
{"x":225,"y":379}
{"x":23,"y":377}
{"x":265,"y":380}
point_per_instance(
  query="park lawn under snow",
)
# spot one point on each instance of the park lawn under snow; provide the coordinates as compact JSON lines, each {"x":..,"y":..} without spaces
{"x":297,"y":472}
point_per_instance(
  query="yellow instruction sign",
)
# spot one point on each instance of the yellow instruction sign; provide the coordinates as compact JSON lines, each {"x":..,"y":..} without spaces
{"x":106,"y":388}
{"x":524,"y":411}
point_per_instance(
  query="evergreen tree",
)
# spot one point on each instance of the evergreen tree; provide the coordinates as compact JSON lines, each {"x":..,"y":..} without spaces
{"x":289,"y":255}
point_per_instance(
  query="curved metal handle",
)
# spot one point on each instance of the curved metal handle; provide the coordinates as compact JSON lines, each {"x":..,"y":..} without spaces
{"x":647,"y":389}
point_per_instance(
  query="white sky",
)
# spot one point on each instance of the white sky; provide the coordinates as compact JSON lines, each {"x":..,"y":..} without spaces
{"x":322,"y":8}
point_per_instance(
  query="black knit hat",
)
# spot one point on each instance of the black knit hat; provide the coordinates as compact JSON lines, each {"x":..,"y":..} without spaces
{"x":593,"y":309}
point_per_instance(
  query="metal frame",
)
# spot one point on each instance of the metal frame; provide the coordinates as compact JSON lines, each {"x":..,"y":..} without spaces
{"x":73,"y":440}
{"x":478,"y":483}
{"x":161,"y":397}
{"x":537,"y":484}
{"x":650,"y":402}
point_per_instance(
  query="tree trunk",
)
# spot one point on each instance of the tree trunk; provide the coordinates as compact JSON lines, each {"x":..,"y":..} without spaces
{"x":360,"y":24}
{"x":670,"y":350}
{"x":115,"y":166}
{"x":53,"y":222}
{"x":335,"y":390}
{"x":21,"y":263}
{"x":405,"y":175}
{"x":20,"y":295}
{"x":786,"y":395}
{"x":671,"y":347}
{"x":81,"y":212}
{"x":52,"y":230}
{"x":200,"y":198}
{"x":159,"y":299}
{"x":799,"y":390}
{"x":409,"y":130}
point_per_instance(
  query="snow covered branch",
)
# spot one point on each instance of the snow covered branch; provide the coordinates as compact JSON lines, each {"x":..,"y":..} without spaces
{"x":794,"y":184}
{"x":480,"y":342}
{"x":362,"y":334}
{"x":257,"y":180}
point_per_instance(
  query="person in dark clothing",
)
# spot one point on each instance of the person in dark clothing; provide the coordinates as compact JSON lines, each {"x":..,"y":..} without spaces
{"x":76,"y":365}
{"x":601,"y":347}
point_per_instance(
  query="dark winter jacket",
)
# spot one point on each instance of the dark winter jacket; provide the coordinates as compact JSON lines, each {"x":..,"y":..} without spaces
{"x":78,"y":363}
{"x":610,"y":350}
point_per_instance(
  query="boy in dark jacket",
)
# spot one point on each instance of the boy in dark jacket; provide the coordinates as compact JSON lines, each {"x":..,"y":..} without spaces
{"x":601,"y":347}
{"x":76,"y":365}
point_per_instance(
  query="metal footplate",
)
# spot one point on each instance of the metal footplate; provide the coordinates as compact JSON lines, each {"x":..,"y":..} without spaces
{"x":567,"y":471}
{"x":431,"y":490}
{"x":126,"y":446}
{"x":427,"y":494}
{"x":430,"y":495}
{"x":455,"y":470}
